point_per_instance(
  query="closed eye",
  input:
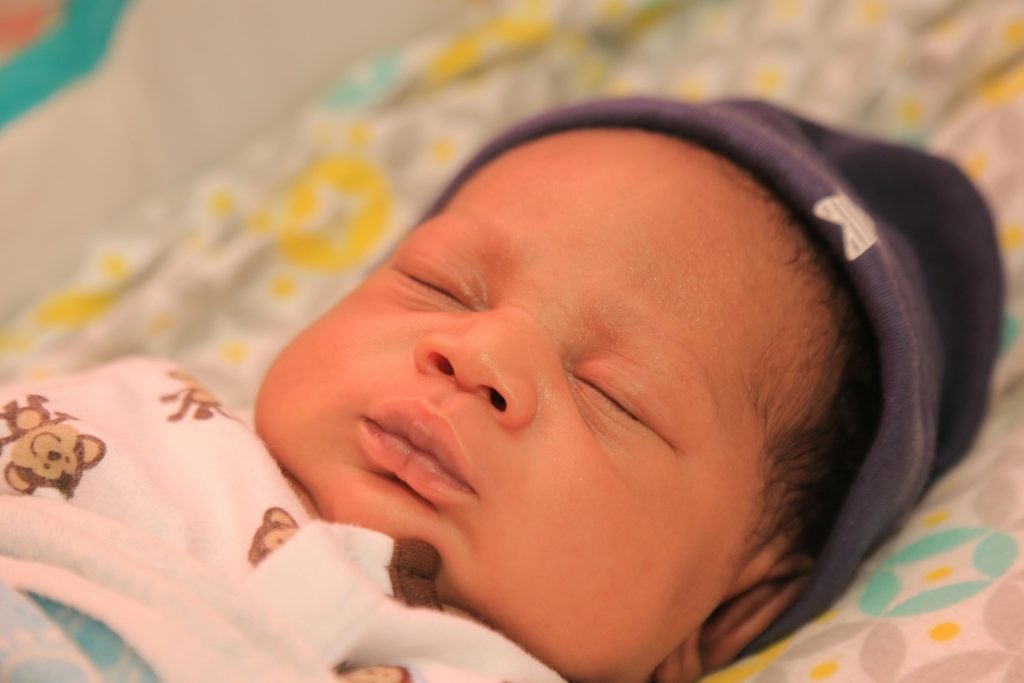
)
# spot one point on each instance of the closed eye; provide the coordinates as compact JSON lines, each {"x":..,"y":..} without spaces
{"x":608,"y":399}
{"x":435,"y":288}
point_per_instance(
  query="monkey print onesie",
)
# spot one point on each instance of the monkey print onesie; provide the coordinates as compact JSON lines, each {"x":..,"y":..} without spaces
{"x":148,"y":535}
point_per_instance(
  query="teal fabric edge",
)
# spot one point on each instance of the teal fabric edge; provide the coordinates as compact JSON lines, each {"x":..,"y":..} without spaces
{"x":66,"y":54}
{"x":114,"y":659}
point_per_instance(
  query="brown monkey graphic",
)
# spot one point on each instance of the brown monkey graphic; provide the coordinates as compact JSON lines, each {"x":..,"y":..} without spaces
{"x":193,"y":395}
{"x":277,"y":527}
{"x":47,"y":451}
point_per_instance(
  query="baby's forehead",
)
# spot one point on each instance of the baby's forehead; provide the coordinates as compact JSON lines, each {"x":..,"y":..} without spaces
{"x":613,"y":147}
{"x":630,"y":202}
{"x":601,"y":169}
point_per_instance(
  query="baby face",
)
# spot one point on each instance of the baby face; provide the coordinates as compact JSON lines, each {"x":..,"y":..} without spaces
{"x":550,"y":382}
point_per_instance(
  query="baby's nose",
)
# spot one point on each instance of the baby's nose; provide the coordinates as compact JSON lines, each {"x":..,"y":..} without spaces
{"x":445,"y":367}
{"x":487,"y":360}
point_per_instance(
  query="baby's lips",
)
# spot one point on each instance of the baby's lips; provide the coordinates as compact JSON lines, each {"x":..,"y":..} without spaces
{"x":414,"y":421}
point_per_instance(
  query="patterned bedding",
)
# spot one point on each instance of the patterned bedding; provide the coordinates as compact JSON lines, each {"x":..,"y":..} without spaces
{"x":218,"y":269}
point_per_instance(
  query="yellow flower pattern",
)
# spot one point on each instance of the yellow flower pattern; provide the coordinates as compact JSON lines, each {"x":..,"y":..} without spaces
{"x":315,"y":234}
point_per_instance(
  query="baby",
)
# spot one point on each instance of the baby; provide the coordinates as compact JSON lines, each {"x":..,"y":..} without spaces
{"x":651,"y":379}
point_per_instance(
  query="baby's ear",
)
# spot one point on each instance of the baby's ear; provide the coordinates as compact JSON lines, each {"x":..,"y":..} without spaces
{"x":765,"y":587}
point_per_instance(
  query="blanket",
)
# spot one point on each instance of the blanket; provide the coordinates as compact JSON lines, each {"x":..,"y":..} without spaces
{"x":217,"y":266}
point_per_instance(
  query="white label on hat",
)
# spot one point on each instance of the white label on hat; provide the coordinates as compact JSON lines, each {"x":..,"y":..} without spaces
{"x":858,"y":228}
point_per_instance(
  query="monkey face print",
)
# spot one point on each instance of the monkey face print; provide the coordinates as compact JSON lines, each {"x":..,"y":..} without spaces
{"x":46,"y":449}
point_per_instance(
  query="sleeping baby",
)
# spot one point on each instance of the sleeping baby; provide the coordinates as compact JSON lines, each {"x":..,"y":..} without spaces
{"x":635,"y":398}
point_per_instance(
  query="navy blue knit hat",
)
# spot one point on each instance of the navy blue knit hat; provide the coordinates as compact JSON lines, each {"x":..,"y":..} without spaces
{"x":918,"y":245}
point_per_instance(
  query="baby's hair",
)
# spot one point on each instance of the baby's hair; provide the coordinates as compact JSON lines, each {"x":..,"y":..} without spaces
{"x":819,"y":425}
{"x":820,"y":402}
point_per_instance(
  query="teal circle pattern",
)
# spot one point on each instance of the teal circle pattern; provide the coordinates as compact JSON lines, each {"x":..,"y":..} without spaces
{"x":994,"y":552}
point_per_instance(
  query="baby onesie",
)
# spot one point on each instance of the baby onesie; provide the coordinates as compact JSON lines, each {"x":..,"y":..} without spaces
{"x":138,"y":507}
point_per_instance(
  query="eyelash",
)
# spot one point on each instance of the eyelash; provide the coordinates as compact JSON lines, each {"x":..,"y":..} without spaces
{"x":436,"y":289}
{"x":607,"y":398}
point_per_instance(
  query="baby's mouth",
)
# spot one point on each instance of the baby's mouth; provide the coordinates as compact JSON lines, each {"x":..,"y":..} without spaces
{"x":419,"y":449}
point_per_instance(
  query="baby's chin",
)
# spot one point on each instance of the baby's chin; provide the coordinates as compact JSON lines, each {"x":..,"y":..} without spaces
{"x":452,"y":600}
